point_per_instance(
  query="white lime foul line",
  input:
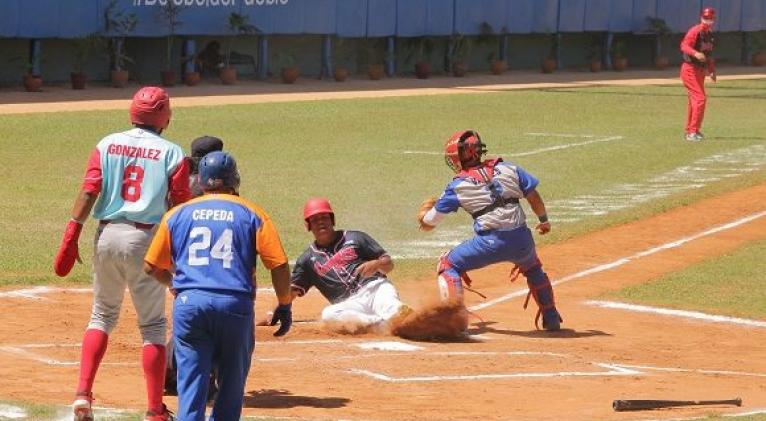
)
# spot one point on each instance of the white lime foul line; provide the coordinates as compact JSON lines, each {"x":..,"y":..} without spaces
{"x":696,"y":315}
{"x":611,"y":370}
{"x":627,"y":259}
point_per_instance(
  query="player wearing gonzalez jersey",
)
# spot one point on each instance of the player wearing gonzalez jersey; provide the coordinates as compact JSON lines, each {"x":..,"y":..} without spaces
{"x":349,"y":269}
{"x":490,"y":191}
{"x":697,"y":48}
{"x":211,"y":243}
{"x":130,"y":178}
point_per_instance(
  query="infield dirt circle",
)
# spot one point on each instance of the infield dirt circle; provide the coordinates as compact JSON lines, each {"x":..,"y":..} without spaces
{"x":506,"y":369}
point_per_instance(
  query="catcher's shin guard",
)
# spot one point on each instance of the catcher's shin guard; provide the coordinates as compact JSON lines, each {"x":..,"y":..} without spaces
{"x":541,"y":290}
{"x":449,"y":280}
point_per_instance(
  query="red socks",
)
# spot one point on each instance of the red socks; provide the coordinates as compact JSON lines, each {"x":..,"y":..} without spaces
{"x":154,"y":362}
{"x":94,"y":344}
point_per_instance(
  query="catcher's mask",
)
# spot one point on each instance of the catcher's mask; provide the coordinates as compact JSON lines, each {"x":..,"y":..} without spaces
{"x":217,"y":171}
{"x":315,"y":206}
{"x":463,"y":147}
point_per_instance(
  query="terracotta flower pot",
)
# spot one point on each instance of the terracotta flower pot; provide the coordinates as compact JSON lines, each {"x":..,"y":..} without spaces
{"x":78,"y":80}
{"x":376,"y":71}
{"x":32,"y":83}
{"x":168,"y":78}
{"x":595,"y":66}
{"x":422,"y":70}
{"x":459,"y":69}
{"x":759,"y":58}
{"x":549,"y":65}
{"x":498,"y":67}
{"x":661,"y":63}
{"x":289,"y":74}
{"x":620,"y":64}
{"x":119,"y":78}
{"x":192,"y":78}
{"x":228,"y":75}
{"x":340,"y":74}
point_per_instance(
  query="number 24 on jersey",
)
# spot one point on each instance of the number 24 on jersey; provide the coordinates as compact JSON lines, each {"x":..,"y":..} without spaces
{"x":221,"y":249}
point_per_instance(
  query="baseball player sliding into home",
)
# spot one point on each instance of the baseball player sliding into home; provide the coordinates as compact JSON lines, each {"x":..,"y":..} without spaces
{"x":490,"y":191}
{"x":349,"y":269}
{"x":130,"y":178}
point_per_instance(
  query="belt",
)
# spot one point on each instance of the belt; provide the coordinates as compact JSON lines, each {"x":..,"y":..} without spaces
{"x":138,"y":225}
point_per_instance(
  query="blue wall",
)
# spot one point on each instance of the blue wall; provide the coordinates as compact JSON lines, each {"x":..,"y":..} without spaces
{"x":376,"y":18}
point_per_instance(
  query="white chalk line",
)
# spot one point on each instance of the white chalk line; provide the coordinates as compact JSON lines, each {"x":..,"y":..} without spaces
{"x":625,"y":260}
{"x":553,"y":148}
{"x":689,"y":370}
{"x":25,"y":354}
{"x":695,"y":315}
{"x":688,"y":177}
{"x":12,"y":412}
{"x":611,"y":370}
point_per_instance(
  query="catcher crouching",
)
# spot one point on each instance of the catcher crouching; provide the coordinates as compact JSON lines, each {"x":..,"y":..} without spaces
{"x":490,"y":191}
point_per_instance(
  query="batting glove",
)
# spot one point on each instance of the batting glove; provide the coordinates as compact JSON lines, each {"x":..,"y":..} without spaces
{"x":284,"y":315}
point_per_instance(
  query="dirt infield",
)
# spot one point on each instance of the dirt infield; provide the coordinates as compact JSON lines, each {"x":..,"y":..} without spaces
{"x":211,"y":92}
{"x":504,"y":370}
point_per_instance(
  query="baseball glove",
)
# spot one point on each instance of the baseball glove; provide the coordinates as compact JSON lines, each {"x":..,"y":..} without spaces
{"x":424,"y":208}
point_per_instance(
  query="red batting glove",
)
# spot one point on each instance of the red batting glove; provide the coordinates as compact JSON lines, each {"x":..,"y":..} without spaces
{"x":68,"y":251}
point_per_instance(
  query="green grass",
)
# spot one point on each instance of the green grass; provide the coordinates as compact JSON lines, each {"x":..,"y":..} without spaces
{"x":732,"y":284}
{"x":349,"y":151}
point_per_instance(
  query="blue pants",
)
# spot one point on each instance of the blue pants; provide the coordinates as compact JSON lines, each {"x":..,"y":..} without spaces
{"x":516,"y":246}
{"x":212,"y":329}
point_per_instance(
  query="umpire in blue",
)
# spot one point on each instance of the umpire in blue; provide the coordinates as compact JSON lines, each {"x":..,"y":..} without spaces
{"x":205,"y":251}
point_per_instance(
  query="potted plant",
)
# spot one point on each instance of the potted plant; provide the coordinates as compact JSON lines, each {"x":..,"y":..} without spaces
{"x":619,"y":60}
{"x":550,"y":63}
{"x":420,"y":50}
{"x":169,"y":15}
{"x":341,"y":53}
{"x":193,"y":77}
{"x":238,"y":25}
{"x":118,"y":26}
{"x":31,"y":81}
{"x":661,"y":31}
{"x":461,"y":50}
{"x":288,"y":71}
{"x":488,"y":37}
{"x":759,"y":57}
{"x":594,"y":53}
{"x":375,"y":56}
{"x":83,"y":48}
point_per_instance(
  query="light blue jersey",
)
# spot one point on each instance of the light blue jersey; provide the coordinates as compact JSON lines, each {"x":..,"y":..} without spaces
{"x":135,"y":169}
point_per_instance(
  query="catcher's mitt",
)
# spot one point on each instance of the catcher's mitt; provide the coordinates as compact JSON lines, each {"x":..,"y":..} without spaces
{"x":424,"y":208}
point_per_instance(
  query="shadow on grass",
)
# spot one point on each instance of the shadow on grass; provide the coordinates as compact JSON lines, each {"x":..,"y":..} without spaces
{"x":485,"y":327}
{"x":280,"y":399}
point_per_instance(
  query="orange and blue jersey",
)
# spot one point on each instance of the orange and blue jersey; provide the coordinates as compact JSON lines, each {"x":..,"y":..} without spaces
{"x":213,"y":241}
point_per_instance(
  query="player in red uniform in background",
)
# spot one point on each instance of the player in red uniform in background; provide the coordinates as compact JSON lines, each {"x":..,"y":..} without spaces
{"x":697,"y":49}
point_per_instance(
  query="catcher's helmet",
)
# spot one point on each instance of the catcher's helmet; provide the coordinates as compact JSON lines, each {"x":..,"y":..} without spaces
{"x":151,"y":107}
{"x":708,"y":13}
{"x":315,"y":206}
{"x":462,"y":146}
{"x":218,"y":170}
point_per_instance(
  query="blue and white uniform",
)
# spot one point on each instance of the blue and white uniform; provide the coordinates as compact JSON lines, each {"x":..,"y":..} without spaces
{"x":490,"y":193}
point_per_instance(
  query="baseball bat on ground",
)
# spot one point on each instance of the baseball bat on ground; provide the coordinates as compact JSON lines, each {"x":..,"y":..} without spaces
{"x":642,"y":405}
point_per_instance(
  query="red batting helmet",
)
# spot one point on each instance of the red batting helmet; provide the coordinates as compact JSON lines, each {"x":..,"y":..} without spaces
{"x":708,"y":13}
{"x":315,"y":206}
{"x":151,"y":107}
{"x":462,"y":146}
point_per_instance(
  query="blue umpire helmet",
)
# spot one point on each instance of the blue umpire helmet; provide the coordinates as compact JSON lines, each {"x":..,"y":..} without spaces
{"x":218,"y":170}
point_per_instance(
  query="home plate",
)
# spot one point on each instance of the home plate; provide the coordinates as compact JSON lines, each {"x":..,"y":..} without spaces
{"x":389,"y":346}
